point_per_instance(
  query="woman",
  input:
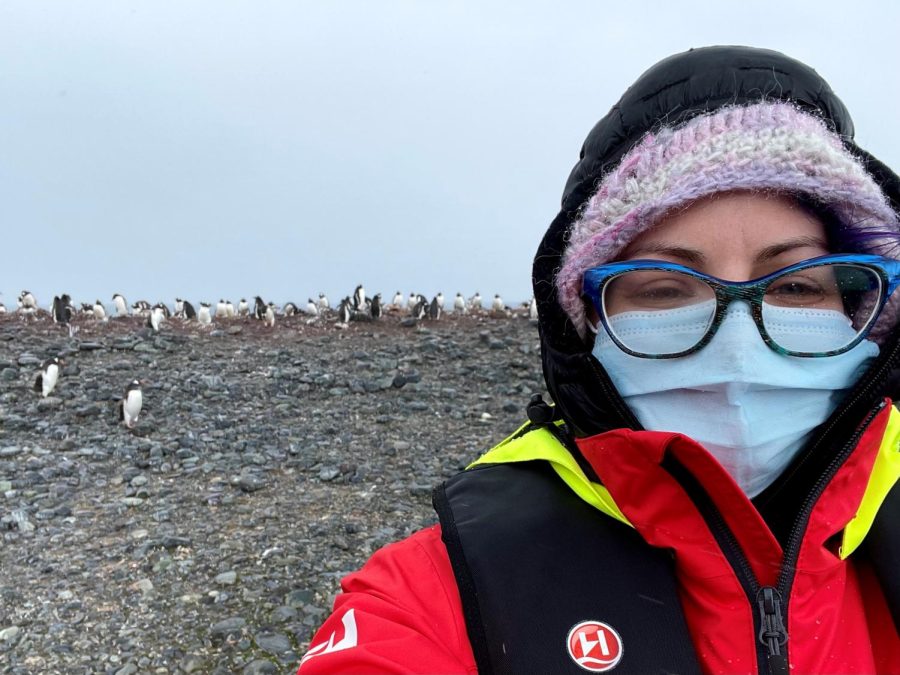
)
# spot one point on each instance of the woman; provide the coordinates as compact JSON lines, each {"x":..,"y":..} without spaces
{"x":712,"y":491}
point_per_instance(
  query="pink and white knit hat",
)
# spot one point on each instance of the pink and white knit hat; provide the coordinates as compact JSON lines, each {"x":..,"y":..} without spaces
{"x":760,"y":147}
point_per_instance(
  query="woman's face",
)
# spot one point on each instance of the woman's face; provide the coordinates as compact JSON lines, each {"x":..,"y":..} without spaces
{"x":734,"y":236}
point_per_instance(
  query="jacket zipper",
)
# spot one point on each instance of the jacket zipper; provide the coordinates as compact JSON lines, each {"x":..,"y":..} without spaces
{"x":770,"y":622}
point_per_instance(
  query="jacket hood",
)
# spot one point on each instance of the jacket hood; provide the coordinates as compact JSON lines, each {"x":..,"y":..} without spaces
{"x":675,"y":90}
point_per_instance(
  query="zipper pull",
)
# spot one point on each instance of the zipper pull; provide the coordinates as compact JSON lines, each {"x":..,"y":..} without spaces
{"x":772,"y":632}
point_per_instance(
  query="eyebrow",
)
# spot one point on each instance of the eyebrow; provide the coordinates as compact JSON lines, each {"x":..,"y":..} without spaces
{"x":694,"y":257}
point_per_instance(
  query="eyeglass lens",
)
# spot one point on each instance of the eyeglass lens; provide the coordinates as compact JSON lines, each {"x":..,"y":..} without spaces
{"x":811,"y":310}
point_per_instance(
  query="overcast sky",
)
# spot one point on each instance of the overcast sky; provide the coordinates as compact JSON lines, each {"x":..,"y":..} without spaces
{"x":213,"y":149}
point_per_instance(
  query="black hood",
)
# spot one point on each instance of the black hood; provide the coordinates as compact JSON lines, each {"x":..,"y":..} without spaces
{"x":676,"y":89}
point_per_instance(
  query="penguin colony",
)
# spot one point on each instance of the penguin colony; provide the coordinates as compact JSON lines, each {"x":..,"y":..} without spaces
{"x":357,"y":306}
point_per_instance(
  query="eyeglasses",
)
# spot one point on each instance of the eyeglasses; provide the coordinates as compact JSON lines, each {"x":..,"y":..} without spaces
{"x":819,"y":307}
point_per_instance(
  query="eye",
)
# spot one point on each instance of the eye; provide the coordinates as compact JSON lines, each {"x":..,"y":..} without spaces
{"x":653,"y":290}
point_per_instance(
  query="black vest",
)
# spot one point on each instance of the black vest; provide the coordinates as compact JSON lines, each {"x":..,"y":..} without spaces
{"x":532,"y":560}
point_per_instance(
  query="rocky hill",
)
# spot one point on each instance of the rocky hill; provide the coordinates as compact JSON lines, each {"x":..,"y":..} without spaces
{"x":266,"y":464}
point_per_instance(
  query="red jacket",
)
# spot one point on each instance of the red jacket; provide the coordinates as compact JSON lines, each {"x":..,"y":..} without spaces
{"x":401,"y":613}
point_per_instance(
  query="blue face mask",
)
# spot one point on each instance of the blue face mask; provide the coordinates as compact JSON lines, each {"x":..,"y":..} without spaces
{"x":750,"y":407}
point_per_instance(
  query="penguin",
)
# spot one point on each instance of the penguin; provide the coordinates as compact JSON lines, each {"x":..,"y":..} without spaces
{"x":203,"y":316}
{"x":165,"y":309}
{"x":323,"y":302}
{"x":61,"y":309}
{"x":179,"y":308}
{"x":359,"y":298}
{"x":131,"y":404}
{"x":220,"y":309}
{"x":229,"y":309}
{"x":440,"y":300}
{"x":87,"y":309}
{"x":397,"y":302}
{"x":100,"y":311}
{"x":27,"y":301}
{"x":420,"y":308}
{"x":497,"y":304}
{"x":243,"y":307}
{"x":141,"y":308}
{"x":289,"y":309}
{"x":475,"y":302}
{"x":533,"y":309}
{"x":47,"y":378}
{"x":434,"y":309}
{"x":375,"y":309}
{"x":2,"y":308}
{"x":344,"y":311}
{"x":121,"y":304}
{"x":411,"y":302}
{"x":269,"y":316}
{"x":259,"y":308}
{"x":155,"y":318}
{"x":459,"y":304}
{"x":312,"y":308}
{"x":188,"y":313}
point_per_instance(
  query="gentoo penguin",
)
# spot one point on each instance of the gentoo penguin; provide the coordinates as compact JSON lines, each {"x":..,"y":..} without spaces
{"x":532,"y":310}
{"x":220,"y":309}
{"x":141,"y":308}
{"x":87,"y":309}
{"x":269,"y":316}
{"x":459,"y":304}
{"x":312,"y":308}
{"x":46,"y":379}
{"x":61,"y":308}
{"x":497,"y":304}
{"x":397,"y":302}
{"x":434,"y":309}
{"x":411,"y":301}
{"x":243,"y":307}
{"x":344,"y":311}
{"x":259,"y":308}
{"x":188,"y":313}
{"x":131,"y":404}
{"x":323,"y":302}
{"x":229,"y":309}
{"x":121,"y":304}
{"x":359,"y":298}
{"x":475,"y":302}
{"x":2,"y":308}
{"x":179,"y":308}
{"x":100,"y":311}
{"x":376,"y":306}
{"x":440,"y":300}
{"x":289,"y":309}
{"x":156,"y":317}
{"x":420,"y":308}
{"x":204,"y":317}
{"x":27,"y":300}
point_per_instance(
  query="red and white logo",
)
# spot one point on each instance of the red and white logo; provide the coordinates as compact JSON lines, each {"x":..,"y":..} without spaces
{"x":594,"y":646}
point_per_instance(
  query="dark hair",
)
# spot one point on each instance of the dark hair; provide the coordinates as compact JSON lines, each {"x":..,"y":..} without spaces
{"x":853,"y":237}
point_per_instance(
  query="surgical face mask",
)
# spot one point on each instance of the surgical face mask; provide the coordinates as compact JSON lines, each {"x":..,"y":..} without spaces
{"x":750,"y":407}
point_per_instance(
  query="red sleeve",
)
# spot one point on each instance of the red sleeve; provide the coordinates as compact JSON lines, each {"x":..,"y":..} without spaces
{"x":400,"y":613}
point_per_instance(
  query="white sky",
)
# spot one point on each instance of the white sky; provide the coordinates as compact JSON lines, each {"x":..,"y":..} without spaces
{"x":215,"y":149}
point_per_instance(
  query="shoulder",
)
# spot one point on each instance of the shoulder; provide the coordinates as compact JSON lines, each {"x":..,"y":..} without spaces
{"x":400,"y":613}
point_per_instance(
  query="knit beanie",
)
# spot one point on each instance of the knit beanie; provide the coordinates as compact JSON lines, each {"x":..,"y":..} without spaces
{"x":764,"y":147}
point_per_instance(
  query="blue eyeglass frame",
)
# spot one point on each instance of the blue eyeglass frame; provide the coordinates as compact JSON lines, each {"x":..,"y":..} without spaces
{"x":752,"y":292}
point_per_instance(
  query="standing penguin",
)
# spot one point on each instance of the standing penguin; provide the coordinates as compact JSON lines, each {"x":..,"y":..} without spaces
{"x":312,"y":308}
{"x":204,"y":317}
{"x":229,"y":309}
{"x":259,"y":308}
{"x":47,"y":378}
{"x":156,"y":317}
{"x":434,"y":309}
{"x":220,"y":310}
{"x":61,"y":308}
{"x":420,"y":308}
{"x":475,"y":302}
{"x":243,"y":307}
{"x":359,"y":298}
{"x":289,"y":309}
{"x":269,"y":316}
{"x":27,"y":301}
{"x":376,"y":306}
{"x":397,"y":302}
{"x":131,"y":404}
{"x":179,"y":308}
{"x":497,"y":304}
{"x":100,"y":311}
{"x":121,"y":304}
{"x":411,"y":301}
{"x":188,"y":313}
{"x":344,"y":311}
{"x":459,"y":304}
{"x":323,"y":302}
{"x":533,"y":310}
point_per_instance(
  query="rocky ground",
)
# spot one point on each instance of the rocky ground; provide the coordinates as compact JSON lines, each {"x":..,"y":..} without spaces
{"x":267,"y":464}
